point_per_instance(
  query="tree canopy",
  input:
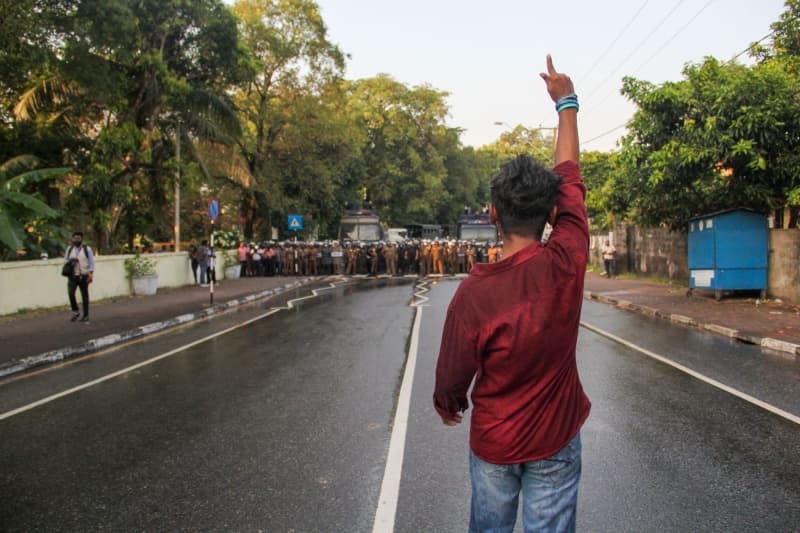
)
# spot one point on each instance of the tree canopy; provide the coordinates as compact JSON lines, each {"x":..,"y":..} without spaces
{"x":98,"y":96}
{"x":724,"y":136}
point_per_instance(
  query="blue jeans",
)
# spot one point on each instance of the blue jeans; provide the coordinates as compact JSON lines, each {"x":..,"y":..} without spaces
{"x":549,"y":492}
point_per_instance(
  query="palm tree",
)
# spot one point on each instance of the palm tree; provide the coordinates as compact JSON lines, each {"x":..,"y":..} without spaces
{"x":18,"y":209}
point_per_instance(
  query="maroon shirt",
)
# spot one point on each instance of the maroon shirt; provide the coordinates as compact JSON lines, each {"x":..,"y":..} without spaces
{"x":513,"y":325}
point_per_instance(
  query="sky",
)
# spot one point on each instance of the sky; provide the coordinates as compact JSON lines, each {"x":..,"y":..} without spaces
{"x":488,"y":54}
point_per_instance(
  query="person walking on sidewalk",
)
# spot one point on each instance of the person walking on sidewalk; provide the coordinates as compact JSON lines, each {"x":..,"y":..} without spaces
{"x":81,"y":258}
{"x":609,"y":258}
{"x":513,"y":326}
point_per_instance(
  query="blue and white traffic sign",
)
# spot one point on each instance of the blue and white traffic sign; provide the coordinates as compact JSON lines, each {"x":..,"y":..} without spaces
{"x":213,"y":209}
{"x":295,"y":222}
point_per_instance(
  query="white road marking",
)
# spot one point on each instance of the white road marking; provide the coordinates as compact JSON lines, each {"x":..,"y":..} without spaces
{"x":390,"y":487}
{"x":419,"y":293}
{"x":272,"y":311}
{"x":739,"y":394}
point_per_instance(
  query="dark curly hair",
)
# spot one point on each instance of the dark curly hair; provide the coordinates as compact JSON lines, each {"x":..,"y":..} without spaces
{"x":523,"y":193}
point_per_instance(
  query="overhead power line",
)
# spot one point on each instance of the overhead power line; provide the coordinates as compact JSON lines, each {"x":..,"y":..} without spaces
{"x":639,"y":46}
{"x":674,"y":35}
{"x":617,"y":38}
{"x":731,"y":60}
{"x":599,"y":102}
{"x":605,"y":133}
{"x":764,"y":38}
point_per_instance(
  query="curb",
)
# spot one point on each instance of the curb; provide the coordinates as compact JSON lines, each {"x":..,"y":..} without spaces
{"x":765,"y":342}
{"x":93,"y":345}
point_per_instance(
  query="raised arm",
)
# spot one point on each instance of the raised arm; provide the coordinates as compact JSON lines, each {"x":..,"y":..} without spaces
{"x":561,"y":90}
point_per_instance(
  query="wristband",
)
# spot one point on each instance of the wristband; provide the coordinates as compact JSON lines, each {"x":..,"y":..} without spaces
{"x":567,"y":102}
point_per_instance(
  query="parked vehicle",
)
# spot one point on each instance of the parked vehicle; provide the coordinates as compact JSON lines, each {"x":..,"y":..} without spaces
{"x":424,"y":231}
{"x":477,"y":228}
{"x":396,"y":234}
{"x":362,"y":225}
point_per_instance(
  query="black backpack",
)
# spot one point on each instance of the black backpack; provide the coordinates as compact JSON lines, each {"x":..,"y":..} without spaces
{"x":68,"y":270}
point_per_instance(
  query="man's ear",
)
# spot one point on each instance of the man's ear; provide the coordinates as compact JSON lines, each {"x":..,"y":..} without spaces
{"x":553,"y":214}
{"x":492,"y":214}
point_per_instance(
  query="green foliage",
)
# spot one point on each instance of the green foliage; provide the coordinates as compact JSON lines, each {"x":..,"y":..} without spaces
{"x":120,"y":77}
{"x":297,"y":148}
{"x":230,"y":259}
{"x":600,"y":173}
{"x":404,"y":154}
{"x":28,"y":225}
{"x":139,"y":266}
{"x":226,"y":239}
{"x":725,"y":136}
{"x":524,"y":140}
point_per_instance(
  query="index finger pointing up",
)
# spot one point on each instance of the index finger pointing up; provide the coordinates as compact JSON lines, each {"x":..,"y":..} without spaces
{"x":550,"y":68}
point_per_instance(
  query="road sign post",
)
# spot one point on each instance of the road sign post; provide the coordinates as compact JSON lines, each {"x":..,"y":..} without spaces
{"x":295,"y":223}
{"x":213,"y":211}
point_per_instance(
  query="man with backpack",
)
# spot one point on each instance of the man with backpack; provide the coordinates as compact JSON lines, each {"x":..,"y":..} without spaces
{"x":80,"y":273}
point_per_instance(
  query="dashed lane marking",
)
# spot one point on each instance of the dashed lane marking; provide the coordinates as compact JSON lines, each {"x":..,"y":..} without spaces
{"x":713,"y":382}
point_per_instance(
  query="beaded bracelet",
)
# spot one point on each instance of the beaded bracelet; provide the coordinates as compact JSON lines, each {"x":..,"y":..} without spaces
{"x":567,"y":102}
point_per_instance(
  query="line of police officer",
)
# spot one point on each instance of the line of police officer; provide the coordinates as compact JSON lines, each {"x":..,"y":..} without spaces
{"x":298,"y":258}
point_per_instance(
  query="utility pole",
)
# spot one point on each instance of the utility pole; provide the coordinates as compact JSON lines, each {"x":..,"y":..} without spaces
{"x":177,"y":223}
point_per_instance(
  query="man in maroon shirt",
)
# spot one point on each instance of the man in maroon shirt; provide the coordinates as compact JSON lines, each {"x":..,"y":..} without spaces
{"x":513,"y":327}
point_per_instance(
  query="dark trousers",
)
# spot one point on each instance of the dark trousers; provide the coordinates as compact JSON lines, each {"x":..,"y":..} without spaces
{"x":610,"y":267}
{"x":83,"y":283}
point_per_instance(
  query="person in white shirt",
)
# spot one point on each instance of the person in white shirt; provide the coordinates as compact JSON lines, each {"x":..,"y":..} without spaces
{"x":609,"y":258}
{"x":81,"y":257}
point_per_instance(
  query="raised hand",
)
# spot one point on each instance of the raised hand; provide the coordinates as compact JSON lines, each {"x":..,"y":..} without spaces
{"x":558,"y":84}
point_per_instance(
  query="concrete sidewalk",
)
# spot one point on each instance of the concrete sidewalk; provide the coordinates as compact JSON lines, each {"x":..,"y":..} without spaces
{"x":48,"y":336}
{"x":771,"y":324}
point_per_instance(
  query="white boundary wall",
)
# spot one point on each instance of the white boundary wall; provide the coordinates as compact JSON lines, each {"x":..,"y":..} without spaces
{"x":34,"y":284}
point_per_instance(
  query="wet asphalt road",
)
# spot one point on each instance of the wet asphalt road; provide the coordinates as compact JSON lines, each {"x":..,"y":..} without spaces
{"x":283,"y":425}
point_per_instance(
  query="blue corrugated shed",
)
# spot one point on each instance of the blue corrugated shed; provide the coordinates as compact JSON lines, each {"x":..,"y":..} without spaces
{"x":729,"y":250}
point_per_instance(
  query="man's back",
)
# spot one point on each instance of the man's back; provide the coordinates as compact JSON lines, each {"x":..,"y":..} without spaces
{"x":520,"y":318}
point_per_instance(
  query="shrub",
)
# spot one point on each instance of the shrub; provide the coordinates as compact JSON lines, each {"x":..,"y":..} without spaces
{"x":138,"y":266}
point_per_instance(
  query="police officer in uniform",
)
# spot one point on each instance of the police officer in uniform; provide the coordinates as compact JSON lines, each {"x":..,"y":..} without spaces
{"x":390,"y":255}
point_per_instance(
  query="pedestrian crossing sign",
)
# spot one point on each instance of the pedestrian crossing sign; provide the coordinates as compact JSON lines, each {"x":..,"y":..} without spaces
{"x":295,"y":222}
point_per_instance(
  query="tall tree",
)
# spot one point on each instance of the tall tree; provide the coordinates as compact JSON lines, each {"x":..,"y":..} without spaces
{"x":294,"y":141}
{"x":725,"y":136}
{"x":127,"y":74}
{"x":404,"y":153}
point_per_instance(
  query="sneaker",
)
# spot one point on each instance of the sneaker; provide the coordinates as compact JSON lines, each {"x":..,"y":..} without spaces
{"x":85,"y":319}
{"x":75,"y":316}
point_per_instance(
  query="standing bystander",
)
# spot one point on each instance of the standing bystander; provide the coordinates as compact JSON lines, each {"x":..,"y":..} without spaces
{"x":609,"y":258}
{"x":193,"y":260}
{"x":81,"y":260}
